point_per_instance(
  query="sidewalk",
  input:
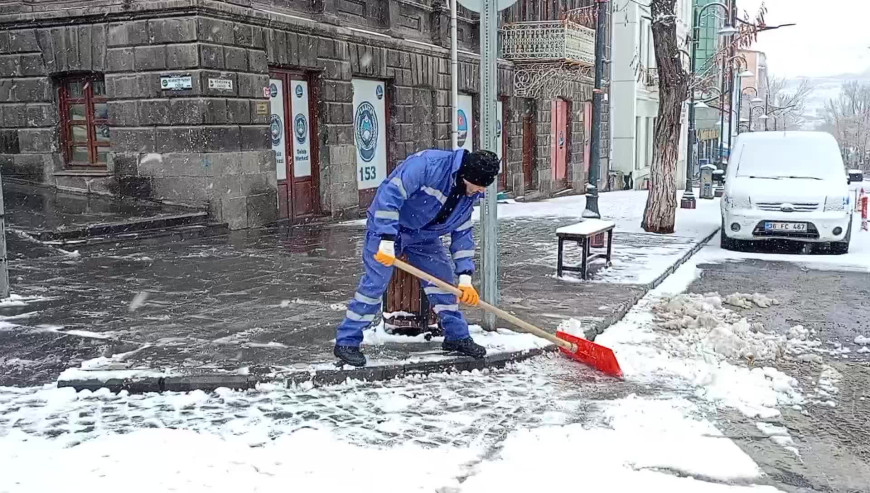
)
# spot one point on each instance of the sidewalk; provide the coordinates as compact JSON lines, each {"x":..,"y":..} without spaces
{"x":67,"y":218}
{"x":231,"y":310}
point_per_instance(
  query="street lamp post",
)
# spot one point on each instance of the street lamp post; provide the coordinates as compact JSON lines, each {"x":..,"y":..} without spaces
{"x":739,"y":75}
{"x":688,"y":200}
{"x":752,"y":101}
{"x":763,"y":116}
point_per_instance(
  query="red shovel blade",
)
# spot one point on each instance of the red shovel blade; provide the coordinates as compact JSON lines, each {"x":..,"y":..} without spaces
{"x":595,"y":355}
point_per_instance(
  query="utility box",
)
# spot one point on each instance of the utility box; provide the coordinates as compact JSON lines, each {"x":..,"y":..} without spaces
{"x":707,"y":181}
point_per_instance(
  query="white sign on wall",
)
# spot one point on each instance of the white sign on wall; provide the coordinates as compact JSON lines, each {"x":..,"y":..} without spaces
{"x":301,"y":128}
{"x":465,"y":129}
{"x":176,"y":82}
{"x":220,"y":84}
{"x":276,"y":126}
{"x":369,"y":132}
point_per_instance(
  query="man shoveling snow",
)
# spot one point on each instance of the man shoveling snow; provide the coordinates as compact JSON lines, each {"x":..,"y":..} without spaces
{"x":429,"y":195}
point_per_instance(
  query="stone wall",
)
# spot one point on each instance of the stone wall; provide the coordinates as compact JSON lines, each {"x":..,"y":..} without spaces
{"x":209,"y":147}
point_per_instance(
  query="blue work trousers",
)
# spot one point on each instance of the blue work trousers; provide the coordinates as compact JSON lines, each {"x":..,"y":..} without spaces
{"x":428,"y":255}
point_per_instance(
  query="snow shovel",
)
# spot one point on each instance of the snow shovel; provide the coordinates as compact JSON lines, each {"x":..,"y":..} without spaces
{"x":587,"y":352}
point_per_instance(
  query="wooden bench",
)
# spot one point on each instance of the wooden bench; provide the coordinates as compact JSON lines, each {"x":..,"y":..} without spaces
{"x":582,"y":233}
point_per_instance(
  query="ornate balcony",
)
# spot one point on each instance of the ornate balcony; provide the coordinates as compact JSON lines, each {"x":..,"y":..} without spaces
{"x":543,"y":41}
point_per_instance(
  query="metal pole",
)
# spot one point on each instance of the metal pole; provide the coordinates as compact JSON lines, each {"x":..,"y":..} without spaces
{"x":766,"y":110}
{"x":739,"y":101}
{"x":454,"y":78}
{"x":591,"y":211}
{"x":688,"y":200}
{"x":731,"y":51}
{"x":722,"y":110}
{"x":4,"y":264}
{"x":750,"y":118}
{"x":489,"y":214}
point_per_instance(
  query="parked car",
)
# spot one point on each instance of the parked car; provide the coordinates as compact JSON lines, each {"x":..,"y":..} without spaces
{"x":857,"y":183}
{"x":786,"y":185}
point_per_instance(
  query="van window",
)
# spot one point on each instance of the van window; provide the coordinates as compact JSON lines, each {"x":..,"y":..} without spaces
{"x":791,"y":158}
{"x":856,"y":175}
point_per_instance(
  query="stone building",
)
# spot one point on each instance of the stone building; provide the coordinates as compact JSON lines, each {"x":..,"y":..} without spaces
{"x":258,"y":110}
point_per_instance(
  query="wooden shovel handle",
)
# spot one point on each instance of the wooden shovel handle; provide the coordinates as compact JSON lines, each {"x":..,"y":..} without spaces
{"x":527,"y":327}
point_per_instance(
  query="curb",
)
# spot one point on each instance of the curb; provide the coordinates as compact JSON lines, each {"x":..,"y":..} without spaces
{"x":626,"y":307}
{"x":682,"y":260}
{"x":210,"y":382}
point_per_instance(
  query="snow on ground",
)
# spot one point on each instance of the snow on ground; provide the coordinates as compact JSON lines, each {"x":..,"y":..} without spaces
{"x":499,"y":341}
{"x":625,"y":208}
{"x":648,"y":445}
{"x":487,"y":431}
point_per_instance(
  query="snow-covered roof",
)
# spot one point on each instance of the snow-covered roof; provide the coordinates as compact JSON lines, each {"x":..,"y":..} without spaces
{"x":855,"y":171}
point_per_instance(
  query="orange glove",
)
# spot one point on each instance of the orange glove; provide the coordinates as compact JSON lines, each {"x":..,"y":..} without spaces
{"x":386,"y":252}
{"x":469,"y":294}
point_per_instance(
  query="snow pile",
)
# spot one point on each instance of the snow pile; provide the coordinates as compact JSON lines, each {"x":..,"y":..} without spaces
{"x":748,"y":300}
{"x":715,"y":333}
{"x":862,"y":340}
{"x":779,"y":435}
{"x":693,"y":341}
{"x":827,"y":387}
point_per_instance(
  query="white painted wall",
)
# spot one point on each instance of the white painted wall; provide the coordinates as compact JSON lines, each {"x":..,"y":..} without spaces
{"x":634,"y":105}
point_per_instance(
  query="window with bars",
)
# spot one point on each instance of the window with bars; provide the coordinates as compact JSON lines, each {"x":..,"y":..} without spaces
{"x":84,"y":116}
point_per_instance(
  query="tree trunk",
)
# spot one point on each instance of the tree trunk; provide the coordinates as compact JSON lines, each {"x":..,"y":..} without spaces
{"x":661,"y":205}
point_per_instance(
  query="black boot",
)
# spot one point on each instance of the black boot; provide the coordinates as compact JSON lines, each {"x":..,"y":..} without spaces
{"x":350,"y":355}
{"x":465,"y":346}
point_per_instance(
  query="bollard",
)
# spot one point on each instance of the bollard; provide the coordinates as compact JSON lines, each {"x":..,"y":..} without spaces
{"x":863,"y":212}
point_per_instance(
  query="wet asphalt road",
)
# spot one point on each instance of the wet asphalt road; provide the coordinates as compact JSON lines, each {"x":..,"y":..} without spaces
{"x":834,"y":442}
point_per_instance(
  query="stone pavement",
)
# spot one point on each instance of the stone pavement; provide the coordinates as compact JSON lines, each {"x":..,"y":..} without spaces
{"x":68,"y":218}
{"x":264,"y":301}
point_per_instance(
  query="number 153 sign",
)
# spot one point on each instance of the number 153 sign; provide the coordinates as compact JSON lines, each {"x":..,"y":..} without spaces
{"x":369,"y":132}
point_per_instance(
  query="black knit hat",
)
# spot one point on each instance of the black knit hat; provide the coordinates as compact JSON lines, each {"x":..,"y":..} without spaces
{"x":479,"y":167}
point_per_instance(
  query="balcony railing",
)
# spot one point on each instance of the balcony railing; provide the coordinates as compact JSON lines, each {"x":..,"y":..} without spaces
{"x":651,"y":77}
{"x":548,"y":40}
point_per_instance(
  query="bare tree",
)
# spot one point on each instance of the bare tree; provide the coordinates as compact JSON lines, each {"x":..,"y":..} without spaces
{"x":674,"y":85}
{"x":848,"y":119}
{"x":787,"y":107}
{"x":661,"y":204}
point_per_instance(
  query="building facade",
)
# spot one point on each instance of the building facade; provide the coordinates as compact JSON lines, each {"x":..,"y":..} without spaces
{"x":634,"y":90}
{"x":708,"y":119}
{"x":262,"y":110}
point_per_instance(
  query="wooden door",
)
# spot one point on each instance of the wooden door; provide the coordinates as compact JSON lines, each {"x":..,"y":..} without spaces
{"x":559,"y":137}
{"x":293,"y":128}
{"x":528,"y":149}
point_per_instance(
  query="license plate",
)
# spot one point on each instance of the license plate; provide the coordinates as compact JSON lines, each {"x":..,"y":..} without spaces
{"x":785,"y":227}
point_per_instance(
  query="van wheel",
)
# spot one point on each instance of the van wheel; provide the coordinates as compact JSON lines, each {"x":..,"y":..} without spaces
{"x":842,"y":247}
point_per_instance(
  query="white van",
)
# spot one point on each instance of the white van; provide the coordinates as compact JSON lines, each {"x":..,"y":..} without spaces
{"x":786,"y":185}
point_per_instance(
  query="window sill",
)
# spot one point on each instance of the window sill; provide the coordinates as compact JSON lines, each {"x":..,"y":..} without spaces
{"x":95,"y":172}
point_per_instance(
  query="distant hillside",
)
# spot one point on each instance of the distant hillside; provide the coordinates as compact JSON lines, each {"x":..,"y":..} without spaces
{"x":824,"y":89}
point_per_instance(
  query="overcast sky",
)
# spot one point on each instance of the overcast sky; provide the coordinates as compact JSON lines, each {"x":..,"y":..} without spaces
{"x":831,"y":36}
